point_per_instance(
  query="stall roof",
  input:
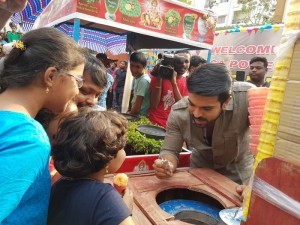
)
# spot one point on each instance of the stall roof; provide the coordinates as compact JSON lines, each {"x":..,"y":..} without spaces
{"x":28,"y":16}
{"x":97,"y":40}
{"x":149,"y":28}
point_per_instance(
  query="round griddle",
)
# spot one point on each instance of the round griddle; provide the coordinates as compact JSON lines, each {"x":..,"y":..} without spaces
{"x":130,"y":117}
{"x":152,"y":131}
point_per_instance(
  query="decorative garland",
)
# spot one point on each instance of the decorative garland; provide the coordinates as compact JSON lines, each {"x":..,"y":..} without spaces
{"x":238,"y":29}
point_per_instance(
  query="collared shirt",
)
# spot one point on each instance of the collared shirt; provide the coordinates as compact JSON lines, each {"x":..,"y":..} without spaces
{"x":229,"y":152}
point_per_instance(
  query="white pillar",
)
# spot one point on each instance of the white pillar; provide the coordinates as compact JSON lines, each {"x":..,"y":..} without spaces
{"x":127,"y":89}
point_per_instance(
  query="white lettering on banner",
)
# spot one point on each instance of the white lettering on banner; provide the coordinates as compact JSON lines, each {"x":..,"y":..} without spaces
{"x":242,"y":49}
{"x":237,"y":49}
{"x":242,"y":64}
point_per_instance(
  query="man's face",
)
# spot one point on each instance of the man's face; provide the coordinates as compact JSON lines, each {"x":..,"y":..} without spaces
{"x":137,"y":69}
{"x":181,"y":65}
{"x":257,"y":71}
{"x":88,"y":93}
{"x":14,"y":29}
{"x":113,"y":65}
{"x":122,"y":66}
{"x":204,"y":109}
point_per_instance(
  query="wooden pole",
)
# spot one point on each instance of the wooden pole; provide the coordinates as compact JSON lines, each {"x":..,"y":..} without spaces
{"x":279,"y":11}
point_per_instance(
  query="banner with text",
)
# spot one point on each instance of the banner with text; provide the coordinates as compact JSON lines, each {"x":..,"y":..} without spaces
{"x":237,"y":48}
{"x":156,"y":15}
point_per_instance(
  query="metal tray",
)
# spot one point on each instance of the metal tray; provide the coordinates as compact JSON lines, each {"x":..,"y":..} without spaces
{"x":151,"y":131}
{"x":130,"y":117}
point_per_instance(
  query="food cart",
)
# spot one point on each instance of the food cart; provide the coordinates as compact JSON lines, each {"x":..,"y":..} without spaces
{"x":138,"y":24}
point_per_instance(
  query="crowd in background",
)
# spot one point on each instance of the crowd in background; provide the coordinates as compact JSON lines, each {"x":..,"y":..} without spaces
{"x":10,"y":36}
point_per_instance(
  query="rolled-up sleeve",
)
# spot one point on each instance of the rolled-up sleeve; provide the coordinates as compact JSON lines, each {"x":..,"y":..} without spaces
{"x":174,"y":139}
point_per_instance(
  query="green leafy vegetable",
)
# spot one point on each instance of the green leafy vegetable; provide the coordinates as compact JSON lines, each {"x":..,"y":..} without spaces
{"x":138,"y":142}
{"x":172,"y":18}
{"x":130,"y":8}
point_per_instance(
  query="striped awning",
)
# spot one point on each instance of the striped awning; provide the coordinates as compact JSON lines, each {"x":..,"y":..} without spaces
{"x":28,"y":16}
{"x":98,"y":41}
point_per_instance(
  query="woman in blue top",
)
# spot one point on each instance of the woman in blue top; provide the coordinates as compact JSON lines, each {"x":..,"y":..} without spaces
{"x":43,"y":70}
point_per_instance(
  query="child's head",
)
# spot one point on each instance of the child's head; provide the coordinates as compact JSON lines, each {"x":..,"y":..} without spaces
{"x":90,"y":142}
{"x":138,"y":63}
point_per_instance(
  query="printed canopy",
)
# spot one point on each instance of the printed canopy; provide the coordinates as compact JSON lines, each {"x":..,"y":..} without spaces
{"x":28,"y":16}
{"x":148,"y":24}
{"x":98,"y":41}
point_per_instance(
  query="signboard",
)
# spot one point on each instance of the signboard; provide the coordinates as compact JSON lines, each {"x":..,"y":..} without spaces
{"x":158,"y":16}
{"x":235,"y":49}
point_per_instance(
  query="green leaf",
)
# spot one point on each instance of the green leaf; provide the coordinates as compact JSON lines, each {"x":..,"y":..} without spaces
{"x":138,"y":142}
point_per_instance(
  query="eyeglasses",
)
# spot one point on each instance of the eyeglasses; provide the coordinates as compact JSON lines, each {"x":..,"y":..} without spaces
{"x":79,"y":80}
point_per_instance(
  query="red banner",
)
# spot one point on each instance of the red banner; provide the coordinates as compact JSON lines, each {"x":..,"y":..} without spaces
{"x":156,"y":15}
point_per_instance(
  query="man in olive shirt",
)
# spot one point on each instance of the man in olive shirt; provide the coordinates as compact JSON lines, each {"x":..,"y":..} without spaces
{"x":213,"y":121}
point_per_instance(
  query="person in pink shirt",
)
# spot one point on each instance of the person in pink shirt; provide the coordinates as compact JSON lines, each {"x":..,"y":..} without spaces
{"x":165,"y":92}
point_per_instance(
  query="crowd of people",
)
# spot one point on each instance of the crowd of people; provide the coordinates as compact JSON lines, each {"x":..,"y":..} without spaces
{"x":47,"y":105}
{"x":8,"y":38}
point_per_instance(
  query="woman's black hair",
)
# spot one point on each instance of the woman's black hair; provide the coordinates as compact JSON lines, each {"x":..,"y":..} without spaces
{"x":211,"y":80}
{"x":44,"y":48}
{"x":86,"y":142}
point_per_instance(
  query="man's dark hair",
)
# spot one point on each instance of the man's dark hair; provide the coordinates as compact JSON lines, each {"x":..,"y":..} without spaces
{"x":196,"y":60}
{"x":259,"y":59}
{"x":85,"y":143}
{"x":211,"y":80}
{"x":96,"y":70}
{"x":138,"y":57}
{"x":101,"y":56}
{"x":160,"y":55}
{"x":182,"y":51}
{"x":12,"y":24}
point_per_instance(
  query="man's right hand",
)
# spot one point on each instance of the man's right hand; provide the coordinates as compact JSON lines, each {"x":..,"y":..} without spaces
{"x":241,"y":190}
{"x":163,"y":168}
